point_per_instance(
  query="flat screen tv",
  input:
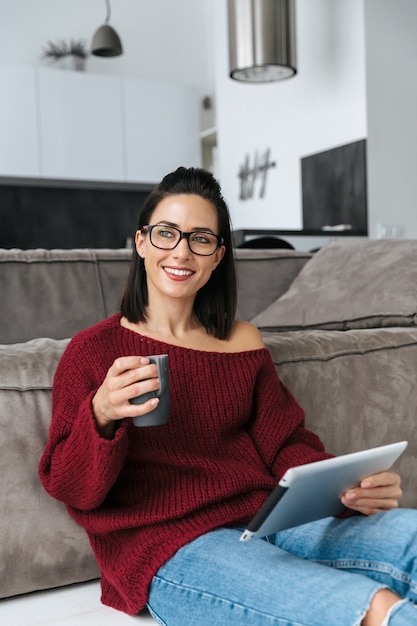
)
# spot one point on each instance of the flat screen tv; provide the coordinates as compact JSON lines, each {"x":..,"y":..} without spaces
{"x":334,"y":188}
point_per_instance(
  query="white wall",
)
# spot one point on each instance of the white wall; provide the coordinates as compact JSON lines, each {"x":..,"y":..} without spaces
{"x":391,"y":56}
{"x":163,"y":39}
{"x":321,"y":107}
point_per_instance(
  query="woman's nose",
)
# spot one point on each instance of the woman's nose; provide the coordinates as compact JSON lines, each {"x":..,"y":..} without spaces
{"x":182,"y":249}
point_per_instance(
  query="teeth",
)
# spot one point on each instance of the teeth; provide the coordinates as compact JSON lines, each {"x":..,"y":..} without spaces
{"x":171,"y":270}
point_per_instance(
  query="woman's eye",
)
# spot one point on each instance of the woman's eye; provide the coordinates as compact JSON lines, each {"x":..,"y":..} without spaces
{"x":165,"y":233}
{"x":201,"y":239}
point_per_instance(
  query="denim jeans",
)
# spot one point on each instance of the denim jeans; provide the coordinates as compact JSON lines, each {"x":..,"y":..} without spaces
{"x":319,"y":574}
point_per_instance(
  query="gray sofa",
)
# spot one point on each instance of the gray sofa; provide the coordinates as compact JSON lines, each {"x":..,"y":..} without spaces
{"x":340,"y":324}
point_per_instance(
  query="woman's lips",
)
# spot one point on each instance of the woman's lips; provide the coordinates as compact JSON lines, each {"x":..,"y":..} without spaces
{"x":178,"y":273}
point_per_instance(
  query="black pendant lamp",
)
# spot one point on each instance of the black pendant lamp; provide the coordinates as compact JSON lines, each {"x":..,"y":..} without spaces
{"x":106,"y":42}
{"x":262,"y":45}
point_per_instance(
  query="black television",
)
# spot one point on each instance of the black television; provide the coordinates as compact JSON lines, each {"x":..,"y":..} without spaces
{"x":334,"y":189}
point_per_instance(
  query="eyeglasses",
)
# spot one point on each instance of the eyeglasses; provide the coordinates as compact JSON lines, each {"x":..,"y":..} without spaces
{"x":200,"y":242}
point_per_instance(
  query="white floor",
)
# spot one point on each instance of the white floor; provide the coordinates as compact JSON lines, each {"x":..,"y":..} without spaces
{"x":76,"y":605}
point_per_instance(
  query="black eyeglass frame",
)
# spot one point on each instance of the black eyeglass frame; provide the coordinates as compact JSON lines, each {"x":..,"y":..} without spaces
{"x":183,"y":235}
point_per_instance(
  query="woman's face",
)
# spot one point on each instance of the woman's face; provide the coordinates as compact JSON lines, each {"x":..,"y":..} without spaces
{"x":179,"y":273}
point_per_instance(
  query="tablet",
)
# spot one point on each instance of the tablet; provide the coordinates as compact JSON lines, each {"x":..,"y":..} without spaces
{"x":310,"y":492}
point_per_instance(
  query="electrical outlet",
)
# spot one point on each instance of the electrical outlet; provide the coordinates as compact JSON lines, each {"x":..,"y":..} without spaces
{"x":389,"y":231}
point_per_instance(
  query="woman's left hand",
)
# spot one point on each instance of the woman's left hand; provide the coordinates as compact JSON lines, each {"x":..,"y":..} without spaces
{"x":376,"y":493}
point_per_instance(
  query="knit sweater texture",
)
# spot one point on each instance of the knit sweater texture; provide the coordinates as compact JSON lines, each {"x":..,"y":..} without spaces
{"x":233,"y":431}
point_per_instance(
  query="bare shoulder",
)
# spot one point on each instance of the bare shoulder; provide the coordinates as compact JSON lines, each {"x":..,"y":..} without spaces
{"x":245,"y":336}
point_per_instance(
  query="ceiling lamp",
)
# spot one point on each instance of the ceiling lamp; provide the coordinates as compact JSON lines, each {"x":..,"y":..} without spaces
{"x":106,"y":42}
{"x":261,"y":40}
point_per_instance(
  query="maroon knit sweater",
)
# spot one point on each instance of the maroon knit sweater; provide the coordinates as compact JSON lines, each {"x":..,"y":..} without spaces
{"x":233,"y":431}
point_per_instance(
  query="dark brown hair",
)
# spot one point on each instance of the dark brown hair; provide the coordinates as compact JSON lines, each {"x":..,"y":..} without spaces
{"x":215,"y":303}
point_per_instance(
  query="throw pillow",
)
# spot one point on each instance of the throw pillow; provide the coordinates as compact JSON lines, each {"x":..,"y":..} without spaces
{"x":350,"y":284}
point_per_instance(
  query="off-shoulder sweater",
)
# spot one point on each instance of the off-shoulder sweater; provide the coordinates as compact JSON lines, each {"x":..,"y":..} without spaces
{"x":233,"y":431}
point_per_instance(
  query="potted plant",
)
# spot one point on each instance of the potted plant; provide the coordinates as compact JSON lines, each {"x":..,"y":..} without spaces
{"x":68,"y":55}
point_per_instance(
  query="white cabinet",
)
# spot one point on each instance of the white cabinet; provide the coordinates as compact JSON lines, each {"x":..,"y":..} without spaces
{"x":162,"y":128}
{"x":81,"y":126}
{"x":19,"y":141}
{"x":60,"y":124}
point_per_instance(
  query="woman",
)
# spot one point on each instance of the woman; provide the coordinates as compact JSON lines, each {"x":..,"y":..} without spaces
{"x":164,"y":506}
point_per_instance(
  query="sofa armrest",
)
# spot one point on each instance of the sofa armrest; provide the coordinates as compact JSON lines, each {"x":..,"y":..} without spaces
{"x":41,"y":545}
{"x":356,"y":388}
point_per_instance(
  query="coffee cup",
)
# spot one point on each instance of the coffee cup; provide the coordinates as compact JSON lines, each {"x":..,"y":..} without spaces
{"x":160,"y":414}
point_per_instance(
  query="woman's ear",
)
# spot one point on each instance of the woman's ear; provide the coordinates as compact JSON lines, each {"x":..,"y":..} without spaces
{"x":219,"y":254}
{"x":139,"y":242}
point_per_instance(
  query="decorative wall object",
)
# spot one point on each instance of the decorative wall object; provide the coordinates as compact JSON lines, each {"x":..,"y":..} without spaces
{"x":334,"y":189}
{"x":253,"y":178}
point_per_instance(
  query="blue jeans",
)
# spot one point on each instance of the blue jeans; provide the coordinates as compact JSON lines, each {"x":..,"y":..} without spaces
{"x":319,"y":574}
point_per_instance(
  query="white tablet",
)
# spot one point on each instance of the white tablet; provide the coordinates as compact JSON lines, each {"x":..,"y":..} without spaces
{"x":310,"y":492}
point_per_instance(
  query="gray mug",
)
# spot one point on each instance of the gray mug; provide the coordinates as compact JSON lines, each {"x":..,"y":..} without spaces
{"x":160,"y":413}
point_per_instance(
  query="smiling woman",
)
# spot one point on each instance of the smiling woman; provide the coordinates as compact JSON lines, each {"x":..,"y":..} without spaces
{"x":188,"y":258}
{"x":162,"y":505}
{"x":191,"y":199}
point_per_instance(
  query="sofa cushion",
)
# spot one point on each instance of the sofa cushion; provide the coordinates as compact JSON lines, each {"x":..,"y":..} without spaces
{"x":264,"y":275}
{"x":357,"y":388}
{"x":350,"y":284}
{"x":41,"y":546}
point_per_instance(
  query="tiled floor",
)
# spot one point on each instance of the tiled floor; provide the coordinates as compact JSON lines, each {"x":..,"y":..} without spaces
{"x":76,"y":605}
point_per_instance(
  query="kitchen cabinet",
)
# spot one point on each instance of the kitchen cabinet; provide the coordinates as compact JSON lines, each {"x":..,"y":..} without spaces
{"x":19,"y":131}
{"x":81,"y":126}
{"x":68,"y":125}
{"x":162,"y":128}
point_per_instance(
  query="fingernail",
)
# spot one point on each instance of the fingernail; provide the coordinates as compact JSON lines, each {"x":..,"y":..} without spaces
{"x":154,"y":401}
{"x":350,"y":495}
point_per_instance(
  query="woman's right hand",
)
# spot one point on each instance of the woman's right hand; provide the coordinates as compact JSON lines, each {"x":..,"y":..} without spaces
{"x":128,"y":377}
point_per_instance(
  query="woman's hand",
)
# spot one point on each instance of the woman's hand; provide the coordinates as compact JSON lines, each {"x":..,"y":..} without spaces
{"x":127,"y":378}
{"x":376,"y":493}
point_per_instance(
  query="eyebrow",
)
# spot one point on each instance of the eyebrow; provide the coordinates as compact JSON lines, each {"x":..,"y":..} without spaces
{"x":203,"y":229}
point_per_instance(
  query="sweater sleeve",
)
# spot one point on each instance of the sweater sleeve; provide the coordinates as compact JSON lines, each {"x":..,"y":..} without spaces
{"x":78,"y":466}
{"x":278,"y":425}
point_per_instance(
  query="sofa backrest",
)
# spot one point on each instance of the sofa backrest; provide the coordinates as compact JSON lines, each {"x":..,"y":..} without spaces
{"x":56,"y":293}
{"x":263,"y":276}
